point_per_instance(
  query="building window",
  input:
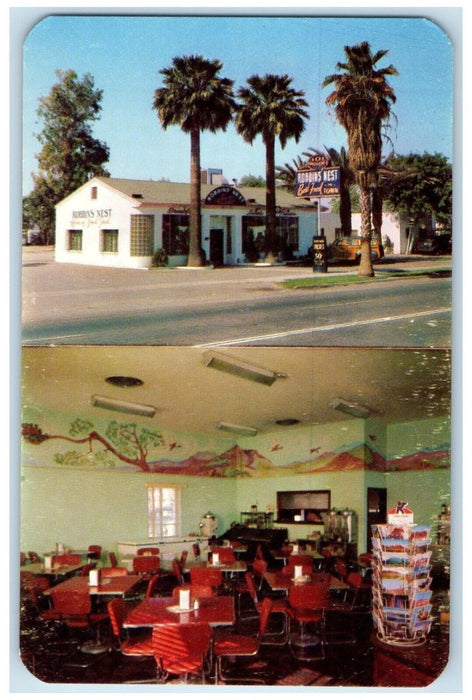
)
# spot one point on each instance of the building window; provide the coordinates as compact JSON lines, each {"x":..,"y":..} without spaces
{"x":287,"y":234}
{"x":93,"y":193}
{"x":163,"y":510}
{"x":142,"y":227}
{"x":253,"y":231}
{"x":175,"y":233}
{"x":74,"y":240}
{"x":109,"y":240}
{"x":253,"y":234}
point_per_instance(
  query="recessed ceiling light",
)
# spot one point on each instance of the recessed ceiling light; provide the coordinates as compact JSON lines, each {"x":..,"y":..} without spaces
{"x":287,"y":421}
{"x":124,"y":381}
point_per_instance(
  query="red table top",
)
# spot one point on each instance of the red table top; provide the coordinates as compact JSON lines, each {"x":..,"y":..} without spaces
{"x":279,"y":581}
{"x":114,"y":585}
{"x":237,"y":566}
{"x":217,"y":610}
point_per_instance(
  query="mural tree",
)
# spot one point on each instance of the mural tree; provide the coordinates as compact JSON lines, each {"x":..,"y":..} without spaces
{"x":125,"y":441}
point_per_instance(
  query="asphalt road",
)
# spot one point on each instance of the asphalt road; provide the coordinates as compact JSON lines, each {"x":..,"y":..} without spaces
{"x":69,"y":304}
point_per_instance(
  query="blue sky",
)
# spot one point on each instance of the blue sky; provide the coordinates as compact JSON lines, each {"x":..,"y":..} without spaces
{"x":124,"y":54}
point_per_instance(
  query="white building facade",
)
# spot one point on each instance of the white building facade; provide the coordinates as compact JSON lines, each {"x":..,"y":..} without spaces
{"x":396,"y":230}
{"x":121,"y":223}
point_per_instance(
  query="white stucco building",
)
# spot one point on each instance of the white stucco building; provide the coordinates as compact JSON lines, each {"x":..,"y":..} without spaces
{"x":121,"y":223}
{"x":396,"y":229}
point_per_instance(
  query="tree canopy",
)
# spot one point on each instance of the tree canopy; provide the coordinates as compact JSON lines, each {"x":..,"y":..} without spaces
{"x":362,"y":100}
{"x":415,"y":185}
{"x":70,"y":155}
{"x":271,"y":108}
{"x":195,"y":98}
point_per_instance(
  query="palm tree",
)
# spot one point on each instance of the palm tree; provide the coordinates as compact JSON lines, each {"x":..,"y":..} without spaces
{"x":195,"y":98}
{"x":271,"y":108}
{"x":362,"y":99}
{"x":287,"y":174}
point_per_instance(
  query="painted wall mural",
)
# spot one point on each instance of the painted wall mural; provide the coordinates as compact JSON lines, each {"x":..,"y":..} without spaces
{"x":125,"y":445}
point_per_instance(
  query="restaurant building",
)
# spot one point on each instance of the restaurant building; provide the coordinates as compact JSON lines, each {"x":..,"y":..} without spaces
{"x":121,"y":223}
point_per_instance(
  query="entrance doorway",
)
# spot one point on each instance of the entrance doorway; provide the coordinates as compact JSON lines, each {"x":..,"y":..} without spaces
{"x":376,"y":511}
{"x":217,"y":247}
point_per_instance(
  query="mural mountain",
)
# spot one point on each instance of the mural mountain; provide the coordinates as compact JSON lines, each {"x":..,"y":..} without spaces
{"x":238,"y":462}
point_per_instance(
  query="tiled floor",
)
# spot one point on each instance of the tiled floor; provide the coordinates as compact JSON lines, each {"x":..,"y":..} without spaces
{"x":48,"y":650}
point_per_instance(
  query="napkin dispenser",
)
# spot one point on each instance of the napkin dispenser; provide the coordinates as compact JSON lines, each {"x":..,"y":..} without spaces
{"x":297,"y":572}
{"x":184,"y":599}
{"x":94,"y":577}
{"x":48,"y":561}
{"x":215,"y":560}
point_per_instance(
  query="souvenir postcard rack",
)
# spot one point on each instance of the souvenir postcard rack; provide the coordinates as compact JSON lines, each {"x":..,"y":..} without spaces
{"x":401,"y":583}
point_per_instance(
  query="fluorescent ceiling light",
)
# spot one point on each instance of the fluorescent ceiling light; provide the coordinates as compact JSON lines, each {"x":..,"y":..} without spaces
{"x":238,"y":429}
{"x":122,"y":406}
{"x":241,"y":368}
{"x":353,"y":409}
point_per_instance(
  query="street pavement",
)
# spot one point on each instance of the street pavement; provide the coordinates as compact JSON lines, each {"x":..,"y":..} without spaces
{"x":90,"y":302}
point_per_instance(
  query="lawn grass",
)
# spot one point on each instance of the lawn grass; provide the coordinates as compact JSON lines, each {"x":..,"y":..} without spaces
{"x":342,"y":279}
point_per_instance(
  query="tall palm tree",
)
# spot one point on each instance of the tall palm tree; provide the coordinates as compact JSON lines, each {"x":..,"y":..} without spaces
{"x":362,"y":98}
{"x":195,"y":98}
{"x":270,"y":107}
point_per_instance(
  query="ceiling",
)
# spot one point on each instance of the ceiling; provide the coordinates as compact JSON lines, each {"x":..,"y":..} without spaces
{"x":396,"y":385}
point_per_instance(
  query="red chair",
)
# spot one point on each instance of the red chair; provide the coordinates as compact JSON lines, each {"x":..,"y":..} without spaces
{"x":225,"y":554}
{"x":74,"y":608}
{"x":85,"y":570}
{"x":112,"y":558}
{"x":340,"y":568}
{"x":241,"y":588}
{"x":178,"y":571}
{"x":34,"y":558}
{"x":359,"y":590}
{"x":236,"y":646}
{"x":196,"y":551}
{"x":147,"y":566}
{"x":148,"y":550}
{"x":259,"y":568}
{"x":307,"y":604}
{"x":183,"y":557}
{"x":22,"y":558}
{"x":279,"y":607}
{"x":94,"y":552}
{"x":197,"y":590}
{"x":207,"y":576}
{"x":110,"y":571}
{"x":300,"y":560}
{"x":181,"y":649}
{"x":151,"y":589}
{"x":139,"y":645}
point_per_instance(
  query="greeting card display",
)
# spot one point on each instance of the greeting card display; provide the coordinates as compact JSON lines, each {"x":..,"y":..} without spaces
{"x":401,"y":582}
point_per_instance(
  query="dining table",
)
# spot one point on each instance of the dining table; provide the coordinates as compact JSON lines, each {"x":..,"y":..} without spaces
{"x":284,"y":554}
{"x":216,"y":611}
{"x":236,"y":567}
{"x":108,"y":586}
{"x":281,"y":582}
{"x":55,"y":571}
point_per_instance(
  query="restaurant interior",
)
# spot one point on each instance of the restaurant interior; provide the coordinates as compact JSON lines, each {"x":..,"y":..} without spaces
{"x":235,"y":516}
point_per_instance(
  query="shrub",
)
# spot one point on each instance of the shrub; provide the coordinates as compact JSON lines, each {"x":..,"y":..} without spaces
{"x":159,"y":258}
